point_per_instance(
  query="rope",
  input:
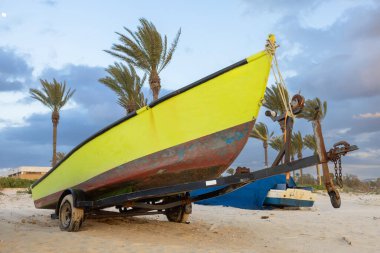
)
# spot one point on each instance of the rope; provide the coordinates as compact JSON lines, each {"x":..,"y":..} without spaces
{"x":270,"y":47}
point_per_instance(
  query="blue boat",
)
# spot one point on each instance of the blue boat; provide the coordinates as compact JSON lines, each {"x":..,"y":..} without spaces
{"x":254,"y":196}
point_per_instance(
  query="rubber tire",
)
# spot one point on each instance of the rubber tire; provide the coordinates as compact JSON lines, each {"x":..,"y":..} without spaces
{"x":75,"y":218}
{"x":179,"y":214}
{"x":335,"y":201}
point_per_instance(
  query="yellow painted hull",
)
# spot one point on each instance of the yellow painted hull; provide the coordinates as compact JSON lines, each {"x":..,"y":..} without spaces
{"x":222,"y":101}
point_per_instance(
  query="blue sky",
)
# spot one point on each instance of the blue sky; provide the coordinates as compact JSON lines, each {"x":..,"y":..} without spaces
{"x":329,"y":49}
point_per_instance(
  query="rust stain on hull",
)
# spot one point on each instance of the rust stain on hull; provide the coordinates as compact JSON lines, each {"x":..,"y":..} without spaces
{"x":201,"y":159}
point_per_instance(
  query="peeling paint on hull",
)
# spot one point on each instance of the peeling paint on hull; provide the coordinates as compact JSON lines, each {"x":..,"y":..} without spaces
{"x":201,"y":159}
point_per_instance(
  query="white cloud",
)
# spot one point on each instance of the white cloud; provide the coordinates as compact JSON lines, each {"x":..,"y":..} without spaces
{"x":367,"y":115}
{"x":14,"y":112}
{"x":325,"y":14}
{"x":337,"y":132}
{"x":366,"y":154}
{"x":366,"y":136}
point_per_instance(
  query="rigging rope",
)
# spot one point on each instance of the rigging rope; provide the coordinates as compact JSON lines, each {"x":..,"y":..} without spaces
{"x":270,"y":47}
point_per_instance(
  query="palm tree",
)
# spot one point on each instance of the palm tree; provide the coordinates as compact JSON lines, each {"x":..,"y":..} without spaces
{"x":315,"y":111}
{"x":260,"y":132}
{"x":310,"y":143}
{"x":273,"y":100}
{"x":147,"y":50}
{"x":60,"y":156}
{"x":276,"y":142}
{"x":298,"y":146}
{"x":125,"y":82}
{"x":53,"y":95}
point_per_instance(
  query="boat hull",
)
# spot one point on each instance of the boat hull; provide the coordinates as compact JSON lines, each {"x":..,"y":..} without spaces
{"x":152,"y":147}
{"x":290,"y":198}
{"x":201,"y":159}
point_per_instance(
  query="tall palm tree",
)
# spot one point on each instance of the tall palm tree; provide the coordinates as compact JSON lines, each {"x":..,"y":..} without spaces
{"x":260,"y":132}
{"x":53,"y":95}
{"x":147,"y":50}
{"x":315,"y":111}
{"x":310,"y":143}
{"x":298,"y":146}
{"x":125,"y":82}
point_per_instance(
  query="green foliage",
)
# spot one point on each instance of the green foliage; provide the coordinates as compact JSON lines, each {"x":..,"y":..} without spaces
{"x":310,"y":142}
{"x":146,"y":49}
{"x":230,"y":171}
{"x":53,"y":95}
{"x":277,"y":142}
{"x":307,"y":179}
{"x":297,"y":143}
{"x":10,"y":182}
{"x":60,"y":156}
{"x":314,"y":110}
{"x":273,"y":101}
{"x":125,"y":82}
{"x":351,"y":183}
{"x":260,"y":131}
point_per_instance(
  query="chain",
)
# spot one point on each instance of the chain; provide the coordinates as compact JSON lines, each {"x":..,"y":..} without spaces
{"x":338,"y":169}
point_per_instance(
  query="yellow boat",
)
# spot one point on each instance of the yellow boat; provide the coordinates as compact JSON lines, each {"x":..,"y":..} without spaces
{"x":191,"y":134}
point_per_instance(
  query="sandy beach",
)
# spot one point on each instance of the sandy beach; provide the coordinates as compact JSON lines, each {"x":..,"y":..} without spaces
{"x":355,"y":227}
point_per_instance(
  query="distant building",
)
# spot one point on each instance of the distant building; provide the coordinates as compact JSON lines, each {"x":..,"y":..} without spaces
{"x":28,"y":172}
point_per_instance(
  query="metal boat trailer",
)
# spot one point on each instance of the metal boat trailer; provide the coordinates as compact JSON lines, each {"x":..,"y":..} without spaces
{"x":175,"y":201}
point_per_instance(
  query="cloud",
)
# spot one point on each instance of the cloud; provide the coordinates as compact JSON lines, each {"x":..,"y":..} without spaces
{"x":27,"y":138}
{"x":366,"y":154}
{"x":14,"y":70}
{"x":367,"y":115}
{"x":338,"y":132}
{"x":366,"y":137}
{"x":50,"y":2}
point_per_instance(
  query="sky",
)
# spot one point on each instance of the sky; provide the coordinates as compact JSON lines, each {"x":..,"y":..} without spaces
{"x":328,"y":49}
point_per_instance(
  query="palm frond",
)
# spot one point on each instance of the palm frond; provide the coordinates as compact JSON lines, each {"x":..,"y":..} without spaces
{"x":127,"y":85}
{"x":260,"y":131}
{"x":273,"y":100}
{"x":297,"y":142}
{"x":276,"y":142}
{"x":310,"y":142}
{"x":314,"y":109}
{"x":145,"y":49}
{"x":53,"y":94}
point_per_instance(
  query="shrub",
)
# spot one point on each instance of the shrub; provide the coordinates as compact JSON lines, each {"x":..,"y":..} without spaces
{"x":10,"y":182}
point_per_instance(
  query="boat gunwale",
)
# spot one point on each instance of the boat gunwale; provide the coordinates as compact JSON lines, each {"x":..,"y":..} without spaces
{"x":134,"y":113}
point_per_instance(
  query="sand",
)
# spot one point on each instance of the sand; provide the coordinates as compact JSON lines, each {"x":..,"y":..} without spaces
{"x":355,"y":227}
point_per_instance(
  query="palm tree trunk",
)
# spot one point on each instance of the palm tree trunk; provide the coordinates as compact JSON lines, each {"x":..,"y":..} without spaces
{"x":55,"y":120}
{"x":299,"y":156}
{"x":319,"y":175}
{"x":155,"y":84}
{"x":265,"y":144}
{"x":294,"y":173}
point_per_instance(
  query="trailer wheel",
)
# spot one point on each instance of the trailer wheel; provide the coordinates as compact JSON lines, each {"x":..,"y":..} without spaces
{"x":180,"y":213}
{"x":70,"y":217}
{"x":335,"y":199}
